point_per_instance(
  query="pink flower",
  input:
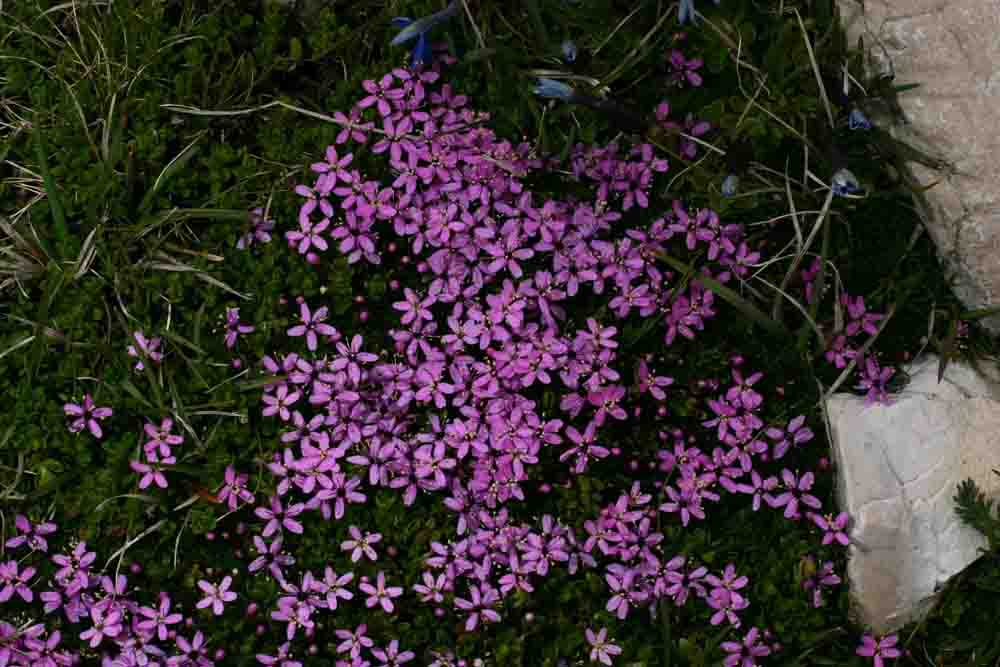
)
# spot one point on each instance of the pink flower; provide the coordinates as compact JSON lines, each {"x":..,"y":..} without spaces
{"x":480,"y":606}
{"x":880,"y":649}
{"x":380,"y":594}
{"x":834,"y":527}
{"x":602,"y":650}
{"x":216,"y":596}
{"x":361,"y":544}
{"x":87,"y":415}
{"x":353,"y":642}
{"x":234,"y":489}
{"x":33,"y":535}
{"x":144,"y":348}
{"x":151,"y":472}
{"x":235,"y":328}
{"x":745,"y":653}
{"x":280,"y":402}
{"x":312,"y":324}
{"x":157,"y":620}
{"x":106,"y":624}
{"x":391,"y":656}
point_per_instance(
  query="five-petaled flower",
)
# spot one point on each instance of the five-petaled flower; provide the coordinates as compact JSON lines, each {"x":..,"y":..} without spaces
{"x":86,"y":415}
{"x":216,"y":595}
{"x":235,"y":328}
{"x":380,"y":594}
{"x":312,"y":324}
{"x":879,"y":649}
{"x":745,"y":653}
{"x":31,"y":534}
{"x":144,"y":348}
{"x":601,"y":648}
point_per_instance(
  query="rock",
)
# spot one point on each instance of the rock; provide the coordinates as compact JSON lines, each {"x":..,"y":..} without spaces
{"x":950,"y":48}
{"x":898,"y":471}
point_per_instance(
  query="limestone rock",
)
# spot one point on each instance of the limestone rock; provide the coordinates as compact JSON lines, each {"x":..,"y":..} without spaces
{"x":898,"y":470}
{"x":950,"y":48}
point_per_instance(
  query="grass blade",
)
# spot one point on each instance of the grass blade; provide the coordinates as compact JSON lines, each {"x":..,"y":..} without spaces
{"x":172,"y":168}
{"x":55,"y":201}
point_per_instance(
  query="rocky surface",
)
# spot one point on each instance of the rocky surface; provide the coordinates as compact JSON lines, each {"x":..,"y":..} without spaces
{"x":951,"y":48}
{"x":898,"y":470}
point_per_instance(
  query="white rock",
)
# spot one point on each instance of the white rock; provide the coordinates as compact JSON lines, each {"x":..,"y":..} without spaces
{"x":951,"y":48}
{"x":898,"y":471}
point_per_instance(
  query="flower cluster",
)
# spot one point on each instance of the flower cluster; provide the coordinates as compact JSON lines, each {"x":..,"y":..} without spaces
{"x":494,"y":377}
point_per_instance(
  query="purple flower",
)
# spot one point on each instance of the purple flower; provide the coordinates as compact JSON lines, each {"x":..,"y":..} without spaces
{"x":834,"y":527}
{"x":235,"y":328}
{"x":86,"y":415}
{"x":432,"y":589}
{"x":33,"y":535}
{"x":825,"y":577}
{"x":414,"y":308}
{"x":745,"y":653}
{"x":106,"y":625}
{"x":234,"y":489}
{"x":216,"y":595}
{"x":874,"y":379}
{"x":796,"y":433}
{"x":353,"y":642}
{"x":278,"y":517}
{"x":626,"y":591}
{"x":391,"y":656}
{"x":283,"y":658}
{"x":44,"y":653}
{"x":333,"y":169}
{"x":380,"y":594}
{"x":14,"y":580}
{"x":334,"y":587}
{"x":157,"y":621}
{"x":729,"y":582}
{"x":280,"y":402}
{"x":193,"y":653}
{"x":361,"y":544}
{"x":151,"y":472}
{"x":144,"y":348}
{"x":312,"y":324}
{"x":479,"y":605}
{"x":272,"y":557}
{"x":726,"y":604}
{"x":684,"y":70}
{"x":260,"y":230}
{"x":879,"y":649}
{"x":796,"y":491}
{"x":601,"y":648}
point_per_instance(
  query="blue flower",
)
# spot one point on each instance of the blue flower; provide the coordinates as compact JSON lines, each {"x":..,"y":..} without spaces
{"x":686,"y":11}
{"x":858,"y":120}
{"x":568,"y":50}
{"x":418,"y":30}
{"x":730,"y":185}
{"x":557,"y":90}
{"x":844,"y":182}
